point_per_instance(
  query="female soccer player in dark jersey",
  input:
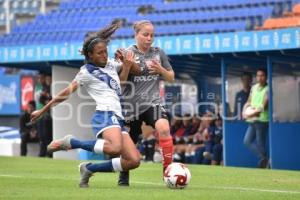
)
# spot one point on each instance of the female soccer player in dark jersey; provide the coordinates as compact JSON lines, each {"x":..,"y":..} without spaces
{"x":141,"y":96}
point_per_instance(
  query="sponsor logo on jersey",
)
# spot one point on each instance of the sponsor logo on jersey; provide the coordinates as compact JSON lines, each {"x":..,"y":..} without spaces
{"x":145,"y":78}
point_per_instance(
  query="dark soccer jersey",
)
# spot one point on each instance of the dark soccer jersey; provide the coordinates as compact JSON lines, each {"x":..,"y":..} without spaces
{"x":146,"y":86}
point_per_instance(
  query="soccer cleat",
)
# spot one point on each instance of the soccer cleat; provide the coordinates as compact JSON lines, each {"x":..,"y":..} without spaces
{"x":60,"y":144}
{"x":85,"y":175}
{"x":123,"y":178}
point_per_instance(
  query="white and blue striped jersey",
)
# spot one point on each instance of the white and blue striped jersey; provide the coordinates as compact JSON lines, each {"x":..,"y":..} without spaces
{"x":103,"y":85}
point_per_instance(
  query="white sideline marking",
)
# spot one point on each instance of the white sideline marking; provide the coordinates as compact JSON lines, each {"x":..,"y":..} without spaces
{"x":228,"y":188}
{"x":190,"y":186}
{"x":258,"y":190}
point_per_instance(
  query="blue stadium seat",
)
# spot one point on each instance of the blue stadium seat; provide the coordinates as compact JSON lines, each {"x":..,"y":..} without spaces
{"x":74,"y":18}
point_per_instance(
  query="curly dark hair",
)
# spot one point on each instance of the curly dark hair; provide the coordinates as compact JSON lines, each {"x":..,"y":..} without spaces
{"x":103,"y":35}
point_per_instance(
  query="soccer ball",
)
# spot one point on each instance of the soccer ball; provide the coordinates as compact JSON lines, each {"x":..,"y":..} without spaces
{"x":248,"y":112}
{"x":177,"y":176}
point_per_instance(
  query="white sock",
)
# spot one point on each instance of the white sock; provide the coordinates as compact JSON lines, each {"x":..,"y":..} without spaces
{"x":187,"y":154}
{"x":116,"y":163}
{"x":99,"y":145}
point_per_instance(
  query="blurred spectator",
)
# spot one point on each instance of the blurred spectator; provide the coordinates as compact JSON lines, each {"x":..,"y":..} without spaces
{"x":217,"y":149}
{"x":175,"y":125}
{"x":44,"y":124}
{"x":148,"y":142}
{"x":196,"y":144}
{"x":190,"y":151}
{"x":45,"y":134}
{"x":40,"y":83}
{"x":258,"y":118}
{"x":181,"y":138}
{"x":209,"y":137}
{"x":45,"y":94}
{"x":242,"y":96}
{"x":205,"y":136}
{"x":28,"y":131}
{"x":194,"y":127}
{"x":149,"y":147}
{"x":190,"y":139}
{"x":213,"y":143}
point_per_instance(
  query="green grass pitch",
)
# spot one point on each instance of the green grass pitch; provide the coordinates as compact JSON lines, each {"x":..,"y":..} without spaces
{"x":41,"y":178}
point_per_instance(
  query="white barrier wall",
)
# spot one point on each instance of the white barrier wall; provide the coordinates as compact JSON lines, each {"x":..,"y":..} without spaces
{"x":72,"y":116}
{"x":11,"y":147}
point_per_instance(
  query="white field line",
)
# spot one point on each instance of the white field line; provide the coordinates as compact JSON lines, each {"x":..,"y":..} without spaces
{"x":227,"y":188}
{"x":246,"y":189}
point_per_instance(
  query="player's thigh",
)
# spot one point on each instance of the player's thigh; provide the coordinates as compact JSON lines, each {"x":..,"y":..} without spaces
{"x":153,"y":114}
{"x":113,"y":135}
{"x":135,"y":129}
{"x":129,"y":150}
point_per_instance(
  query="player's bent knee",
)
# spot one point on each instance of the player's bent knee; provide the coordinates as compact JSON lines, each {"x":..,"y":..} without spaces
{"x":162,"y":126}
{"x":135,"y":162}
{"x":115,"y":150}
{"x":164,"y":131}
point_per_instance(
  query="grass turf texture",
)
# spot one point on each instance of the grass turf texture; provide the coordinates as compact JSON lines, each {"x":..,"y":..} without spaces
{"x":40,"y":178}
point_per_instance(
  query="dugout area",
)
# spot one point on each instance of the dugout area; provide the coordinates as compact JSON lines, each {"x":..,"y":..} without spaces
{"x":283,"y":69}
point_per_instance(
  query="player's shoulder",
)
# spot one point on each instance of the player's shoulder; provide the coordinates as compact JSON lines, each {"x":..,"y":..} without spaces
{"x":83,"y":69}
{"x":132,"y":47}
{"x":112,"y":63}
{"x":157,"y":50}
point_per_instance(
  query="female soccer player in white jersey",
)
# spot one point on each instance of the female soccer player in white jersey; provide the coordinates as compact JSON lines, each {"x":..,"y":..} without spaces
{"x":100,"y":78}
{"x":142,"y":103}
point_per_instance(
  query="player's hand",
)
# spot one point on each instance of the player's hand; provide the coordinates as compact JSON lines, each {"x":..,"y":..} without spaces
{"x":128,"y":58}
{"x":119,"y":54}
{"x":154,"y":67}
{"x":35,"y":115}
{"x":125,"y":56}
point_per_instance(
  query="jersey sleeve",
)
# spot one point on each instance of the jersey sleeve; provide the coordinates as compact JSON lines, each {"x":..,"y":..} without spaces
{"x":82,"y":77}
{"x":164,"y":60}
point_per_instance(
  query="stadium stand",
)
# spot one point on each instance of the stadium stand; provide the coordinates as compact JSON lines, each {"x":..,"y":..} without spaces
{"x":18,"y":7}
{"x":170,"y":17}
{"x":289,"y":19}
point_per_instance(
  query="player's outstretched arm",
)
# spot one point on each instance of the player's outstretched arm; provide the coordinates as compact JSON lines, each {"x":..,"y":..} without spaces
{"x":128,"y":64}
{"x":62,"y":96}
